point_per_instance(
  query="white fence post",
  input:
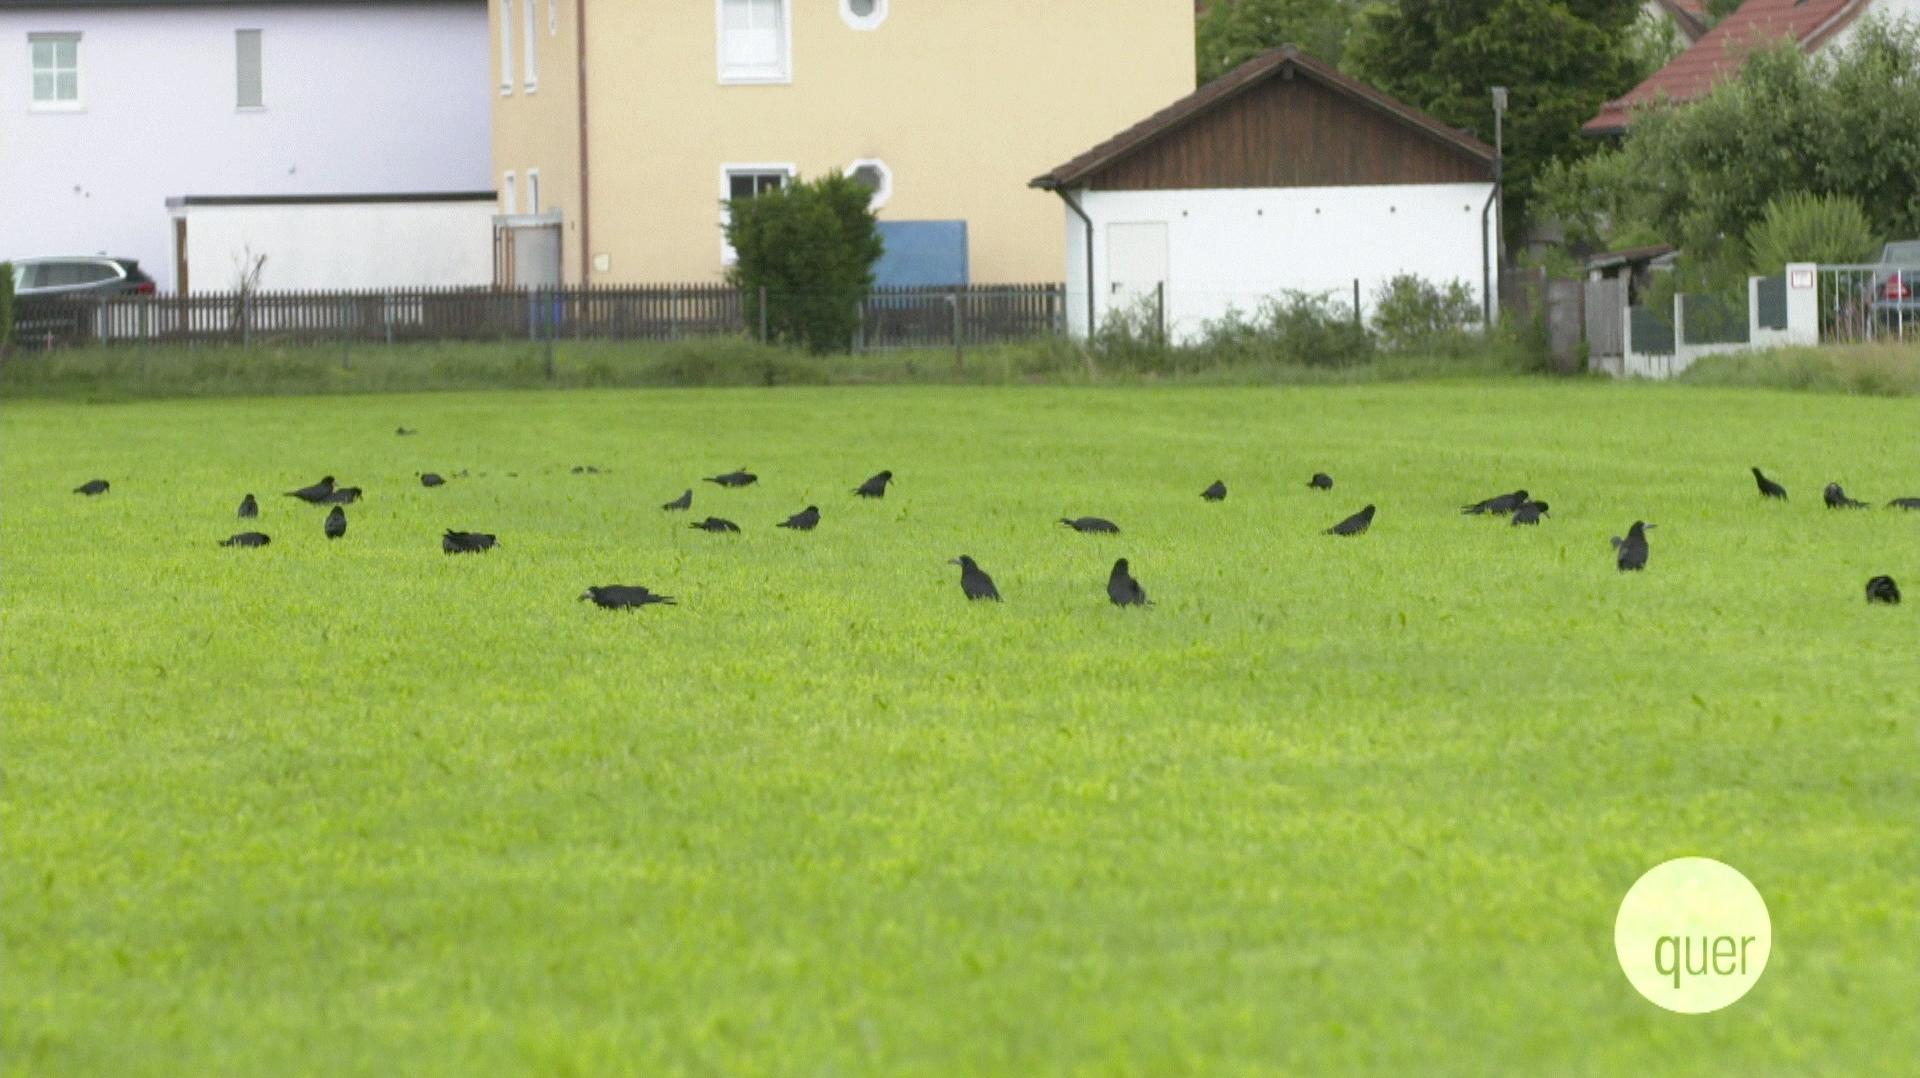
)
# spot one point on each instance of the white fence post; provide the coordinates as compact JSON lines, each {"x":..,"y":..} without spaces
{"x":1803,"y":303}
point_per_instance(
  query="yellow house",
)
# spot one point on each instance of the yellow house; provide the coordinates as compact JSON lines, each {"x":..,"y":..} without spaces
{"x":631,"y":121}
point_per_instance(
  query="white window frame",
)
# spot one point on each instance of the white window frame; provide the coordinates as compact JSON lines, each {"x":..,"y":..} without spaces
{"x":509,"y":194}
{"x":530,"y":41}
{"x":553,"y":18}
{"x":864,"y":22}
{"x":728,"y":256}
{"x":882,"y":193}
{"x":506,"y":47}
{"x":79,"y":101}
{"x":260,"y":57}
{"x":533,"y":191}
{"x":736,"y":77}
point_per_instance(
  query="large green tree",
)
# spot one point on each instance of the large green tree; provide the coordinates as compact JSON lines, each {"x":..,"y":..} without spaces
{"x":1560,"y":60}
{"x":1701,"y":175}
{"x":1234,"y":31}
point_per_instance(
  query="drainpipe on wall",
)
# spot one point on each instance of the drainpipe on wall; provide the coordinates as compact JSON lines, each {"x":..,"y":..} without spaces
{"x":580,"y":65}
{"x":1486,"y":262}
{"x":1088,"y":222}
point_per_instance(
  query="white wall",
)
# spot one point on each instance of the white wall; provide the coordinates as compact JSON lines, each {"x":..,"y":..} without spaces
{"x":359,"y":97}
{"x":1236,"y":247}
{"x":1891,"y":10}
{"x":342,"y":245}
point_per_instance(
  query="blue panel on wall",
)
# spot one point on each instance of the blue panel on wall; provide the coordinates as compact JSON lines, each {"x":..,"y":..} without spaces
{"x":922,"y":253}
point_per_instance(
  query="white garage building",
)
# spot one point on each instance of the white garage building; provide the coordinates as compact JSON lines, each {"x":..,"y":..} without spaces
{"x":1282,"y":174}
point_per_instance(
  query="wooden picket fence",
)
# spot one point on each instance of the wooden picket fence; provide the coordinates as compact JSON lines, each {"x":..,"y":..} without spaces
{"x":890,"y":317}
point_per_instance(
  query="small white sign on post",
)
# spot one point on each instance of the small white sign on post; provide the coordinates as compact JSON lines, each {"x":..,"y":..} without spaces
{"x":1803,"y":304}
{"x":1800,"y":277}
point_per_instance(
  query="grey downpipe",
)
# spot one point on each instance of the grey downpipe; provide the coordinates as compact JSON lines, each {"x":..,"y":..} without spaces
{"x":1088,"y":222}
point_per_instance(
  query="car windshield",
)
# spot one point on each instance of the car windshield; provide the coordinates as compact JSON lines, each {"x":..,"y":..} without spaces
{"x":1904,"y":253}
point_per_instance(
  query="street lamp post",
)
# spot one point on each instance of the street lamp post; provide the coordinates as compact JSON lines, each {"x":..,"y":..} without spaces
{"x":1489,"y":265}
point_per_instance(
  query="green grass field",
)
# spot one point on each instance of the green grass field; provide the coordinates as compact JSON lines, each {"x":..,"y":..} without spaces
{"x":1346,"y":805}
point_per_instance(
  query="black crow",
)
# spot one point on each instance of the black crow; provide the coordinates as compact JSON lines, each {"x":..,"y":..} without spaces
{"x":466,"y":542}
{"x":875,"y":487}
{"x":1528,"y":513}
{"x":585,"y":469}
{"x":341,"y":496}
{"x":1904,"y":503}
{"x":684,"y":501}
{"x":623,"y":596}
{"x":431,"y":479}
{"x":1321,"y":481}
{"x":246,"y":539}
{"x":1837,"y":498}
{"x":1769,"y":488}
{"x":1499,"y":506}
{"x":1216,"y":492}
{"x":974,"y":580}
{"x":404,"y":431}
{"x":1092,"y":525}
{"x":316,"y":493}
{"x":1123,"y":589}
{"x":1882,"y":589}
{"x":739,"y":477}
{"x":803,"y":521}
{"x":1355,"y":524}
{"x":336,"y":523}
{"x":92,"y":487}
{"x":248,"y":508}
{"x":715,"y":524}
{"x":1632,"y":556}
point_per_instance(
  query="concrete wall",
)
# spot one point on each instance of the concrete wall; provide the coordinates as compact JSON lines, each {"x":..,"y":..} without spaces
{"x":359,"y":97}
{"x":341,"y":246}
{"x":964,"y":102}
{"x":1234,"y":248}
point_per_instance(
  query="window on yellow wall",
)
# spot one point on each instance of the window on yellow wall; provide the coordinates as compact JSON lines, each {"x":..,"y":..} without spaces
{"x":506,"y":45}
{"x":863,"y":14}
{"x":509,"y":198}
{"x":531,"y":42}
{"x":533,"y":190}
{"x":747,"y":181}
{"x":755,"y":41}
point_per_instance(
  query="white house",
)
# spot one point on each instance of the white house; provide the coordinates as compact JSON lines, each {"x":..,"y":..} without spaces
{"x":110,"y":108}
{"x":1282,"y":174}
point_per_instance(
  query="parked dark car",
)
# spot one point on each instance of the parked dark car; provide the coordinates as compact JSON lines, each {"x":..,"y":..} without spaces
{"x":1896,"y":286}
{"x":80,"y":277}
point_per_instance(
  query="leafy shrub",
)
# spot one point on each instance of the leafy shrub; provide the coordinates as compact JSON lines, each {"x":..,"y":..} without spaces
{"x":812,"y":246}
{"x":1414,"y":315}
{"x":1314,"y":329}
{"x":1809,"y":228}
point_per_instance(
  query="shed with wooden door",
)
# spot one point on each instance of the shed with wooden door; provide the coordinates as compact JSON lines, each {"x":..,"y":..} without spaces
{"x":1281,"y":175}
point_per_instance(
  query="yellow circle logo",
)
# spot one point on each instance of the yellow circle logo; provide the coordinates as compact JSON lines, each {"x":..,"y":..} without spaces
{"x":1693,"y":935}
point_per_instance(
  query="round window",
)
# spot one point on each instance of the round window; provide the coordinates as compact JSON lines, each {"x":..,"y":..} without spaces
{"x":863,"y":14}
{"x":873,"y":175}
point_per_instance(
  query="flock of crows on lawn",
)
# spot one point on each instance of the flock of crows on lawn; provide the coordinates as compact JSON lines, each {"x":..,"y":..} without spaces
{"x":1630,"y":552}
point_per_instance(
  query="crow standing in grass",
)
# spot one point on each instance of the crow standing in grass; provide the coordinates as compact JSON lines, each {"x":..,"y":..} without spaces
{"x":431,"y":479}
{"x":623,"y":596}
{"x":1321,"y":481}
{"x":336,"y":525}
{"x":1836,"y":498}
{"x":246,"y":539}
{"x":1528,"y":513}
{"x":803,"y":521}
{"x":404,"y":431}
{"x":316,"y":493}
{"x":1769,"y":488}
{"x":974,"y":580}
{"x":684,"y":501}
{"x":248,"y":508}
{"x":341,"y":496}
{"x":1355,"y":524}
{"x":1091,"y":525}
{"x":875,"y":487}
{"x":1123,"y":589}
{"x":1904,"y":503}
{"x":739,"y":477}
{"x":1631,"y":552}
{"x":1882,"y":589}
{"x":715,"y":524}
{"x":1500,"y":505}
{"x":92,"y":487}
{"x":455,"y":542}
{"x":1216,"y":492}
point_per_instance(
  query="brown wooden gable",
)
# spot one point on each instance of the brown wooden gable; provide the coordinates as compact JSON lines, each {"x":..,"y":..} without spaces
{"x":1282,"y":119}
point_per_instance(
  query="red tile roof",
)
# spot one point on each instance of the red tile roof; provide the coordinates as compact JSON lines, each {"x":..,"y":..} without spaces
{"x":1757,"y":23}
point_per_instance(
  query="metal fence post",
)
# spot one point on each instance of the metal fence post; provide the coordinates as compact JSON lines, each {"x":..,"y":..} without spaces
{"x":386,"y":315}
{"x":1356,"y":303}
{"x":763,"y":314}
{"x":1160,"y":310}
{"x":959,"y":358}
